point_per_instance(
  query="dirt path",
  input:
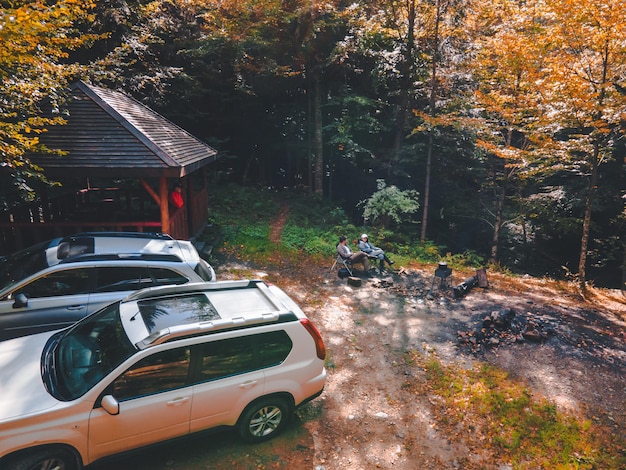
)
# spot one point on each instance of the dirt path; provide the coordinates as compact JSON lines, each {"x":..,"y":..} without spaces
{"x":278,"y":224}
{"x":367,"y":418}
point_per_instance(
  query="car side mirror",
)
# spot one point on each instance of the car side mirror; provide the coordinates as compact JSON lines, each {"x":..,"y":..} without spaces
{"x":110,"y":405}
{"x":20,"y":301}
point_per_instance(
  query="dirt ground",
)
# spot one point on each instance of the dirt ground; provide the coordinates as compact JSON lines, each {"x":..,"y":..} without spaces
{"x":367,"y":418}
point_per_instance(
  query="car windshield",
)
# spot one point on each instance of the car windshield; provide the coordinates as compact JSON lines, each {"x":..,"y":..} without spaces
{"x":22,"y":264}
{"x":88,"y":352}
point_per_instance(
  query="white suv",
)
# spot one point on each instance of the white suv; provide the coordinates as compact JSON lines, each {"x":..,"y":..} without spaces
{"x":162,"y":363}
{"x":53,"y":284}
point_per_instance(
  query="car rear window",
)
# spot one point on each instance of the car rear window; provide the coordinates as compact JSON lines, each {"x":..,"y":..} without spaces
{"x":122,"y":278}
{"x":202,"y":270}
{"x":164,"y":276}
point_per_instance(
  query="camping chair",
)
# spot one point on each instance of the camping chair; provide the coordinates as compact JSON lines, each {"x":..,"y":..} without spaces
{"x":340,"y":261}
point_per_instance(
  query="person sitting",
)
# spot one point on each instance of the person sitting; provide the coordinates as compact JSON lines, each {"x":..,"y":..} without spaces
{"x":347,"y":254}
{"x":373,"y":251}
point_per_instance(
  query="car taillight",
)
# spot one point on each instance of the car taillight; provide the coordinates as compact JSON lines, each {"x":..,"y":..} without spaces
{"x":320,"y":349}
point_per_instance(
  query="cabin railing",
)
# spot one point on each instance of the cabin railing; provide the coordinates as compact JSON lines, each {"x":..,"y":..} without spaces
{"x":96,"y":210}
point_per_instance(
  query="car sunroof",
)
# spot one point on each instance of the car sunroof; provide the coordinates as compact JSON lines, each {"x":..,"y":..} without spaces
{"x":159,"y":314}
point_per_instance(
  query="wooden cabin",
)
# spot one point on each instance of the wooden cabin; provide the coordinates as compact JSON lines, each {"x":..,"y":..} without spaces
{"x":121,"y":159}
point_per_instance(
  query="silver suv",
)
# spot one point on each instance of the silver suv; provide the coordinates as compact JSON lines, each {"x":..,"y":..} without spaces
{"x":53,"y":284}
{"x":162,"y":363}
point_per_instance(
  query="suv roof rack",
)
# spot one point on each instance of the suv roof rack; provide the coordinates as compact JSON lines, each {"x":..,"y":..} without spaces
{"x":275,"y":310}
{"x":85,"y":242}
{"x":192,"y":287}
{"x":213,"y":326}
{"x":148,"y":235}
{"x":122,"y":257}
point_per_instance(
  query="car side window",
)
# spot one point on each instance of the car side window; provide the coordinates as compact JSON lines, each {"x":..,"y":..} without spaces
{"x":122,"y":278}
{"x":234,"y":356}
{"x":66,"y":282}
{"x":160,"y":372}
{"x":164,"y":276}
{"x":273,"y":348}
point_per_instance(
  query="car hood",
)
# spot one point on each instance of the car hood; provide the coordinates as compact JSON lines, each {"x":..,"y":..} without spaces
{"x":21,"y":387}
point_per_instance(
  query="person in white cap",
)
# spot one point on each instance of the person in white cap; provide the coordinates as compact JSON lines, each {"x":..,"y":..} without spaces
{"x":373,"y":251}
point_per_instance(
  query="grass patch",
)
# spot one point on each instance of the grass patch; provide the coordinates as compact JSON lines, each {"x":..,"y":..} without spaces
{"x":500,"y":415}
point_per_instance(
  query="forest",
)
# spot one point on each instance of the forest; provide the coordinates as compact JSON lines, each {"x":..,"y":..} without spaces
{"x":488,"y":127}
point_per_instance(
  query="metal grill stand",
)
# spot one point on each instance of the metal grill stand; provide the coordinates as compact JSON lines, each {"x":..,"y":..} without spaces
{"x":442,"y":277}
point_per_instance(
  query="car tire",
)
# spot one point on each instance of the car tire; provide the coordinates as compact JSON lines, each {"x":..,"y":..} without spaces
{"x":264,"y":419}
{"x":50,"y":459}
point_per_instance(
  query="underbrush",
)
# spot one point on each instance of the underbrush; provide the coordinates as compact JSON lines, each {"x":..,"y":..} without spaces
{"x":244,"y":217}
{"x":494,"y":413}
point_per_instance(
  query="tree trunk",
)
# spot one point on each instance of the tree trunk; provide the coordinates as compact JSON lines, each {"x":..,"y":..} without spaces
{"x":429,"y":158}
{"x":310,"y":130}
{"x":406,"y":70}
{"x":584,"y":241}
{"x":495,"y":240}
{"x":318,"y":143}
{"x":624,"y":271}
{"x":246,"y":171}
{"x":432,"y":111}
{"x":593,"y":182}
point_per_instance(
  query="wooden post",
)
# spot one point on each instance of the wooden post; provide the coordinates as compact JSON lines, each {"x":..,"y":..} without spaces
{"x":165,"y":213}
{"x":481,"y":275}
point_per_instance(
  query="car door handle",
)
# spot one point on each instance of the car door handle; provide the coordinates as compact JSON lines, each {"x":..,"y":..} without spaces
{"x":248,"y":384}
{"x":178,"y":401}
{"x":76,"y":307}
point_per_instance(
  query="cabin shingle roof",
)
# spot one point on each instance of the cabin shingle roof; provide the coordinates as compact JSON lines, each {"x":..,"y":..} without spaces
{"x":111,"y":134}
